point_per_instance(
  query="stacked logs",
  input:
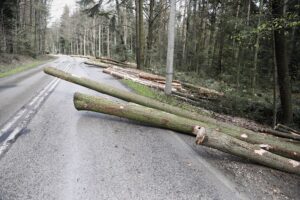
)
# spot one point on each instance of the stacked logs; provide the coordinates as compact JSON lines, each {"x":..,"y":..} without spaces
{"x":190,"y":93}
{"x":125,"y":70}
{"x":268,"y":150}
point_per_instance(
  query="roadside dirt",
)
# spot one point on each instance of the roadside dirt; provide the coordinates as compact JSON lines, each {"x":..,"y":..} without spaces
{"x":12,"y":61}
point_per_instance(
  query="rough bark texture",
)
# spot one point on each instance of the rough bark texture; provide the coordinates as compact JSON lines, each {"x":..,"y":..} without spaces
{"x":282,"y":65}
{"x":279,"y":145}
{"x":170,"y":53}
{"x":205,"y":136}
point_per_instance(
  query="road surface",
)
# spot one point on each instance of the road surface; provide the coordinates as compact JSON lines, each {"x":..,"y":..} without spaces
{"x":48,"y":150}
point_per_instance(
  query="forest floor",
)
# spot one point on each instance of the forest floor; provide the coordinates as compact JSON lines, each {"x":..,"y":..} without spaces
{"x":13,"y":63}
{"x":240,"y":102}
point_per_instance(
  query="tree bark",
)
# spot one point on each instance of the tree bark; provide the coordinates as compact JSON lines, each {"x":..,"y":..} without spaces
{"x":278,"y":145}
{"x":256,"y":49}
{"x":170,"y":53}
{"x":108,"y":43}
{"x":99,"y":41}
{"x":204,"y":136}
{"x":137,"y":35}
{"x":141,"y":32}
{"x":84,"y":42}
{"x":150,"y":33}
{"x":282,"y":65}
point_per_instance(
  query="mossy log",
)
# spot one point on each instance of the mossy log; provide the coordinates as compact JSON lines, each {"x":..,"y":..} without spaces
{"x":204,"y":136}
{"x":281,"y":146}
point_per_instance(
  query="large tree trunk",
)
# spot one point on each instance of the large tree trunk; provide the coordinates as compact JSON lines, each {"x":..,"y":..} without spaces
{"x":99,"y":41}
{"x":256,"y":49}
{"x":137,"y":35}
{"x":84,"y":42}
{"x":170,"y":53}
{"x":108,"y":43}
{"x":150,"y":33}
{"x":141,"y":32}
{"x":204,"y":136}
{"x":275,"y":144}
{"x":282,"y":65}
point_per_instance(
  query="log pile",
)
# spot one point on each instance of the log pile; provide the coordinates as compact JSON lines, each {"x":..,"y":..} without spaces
{"x":82,"y":56}
{"x":110,"y":61}
{"x":265,"y":149}
{"x":98,"y":64}
{"x":126,"y":70}
{"x":133,"y":75}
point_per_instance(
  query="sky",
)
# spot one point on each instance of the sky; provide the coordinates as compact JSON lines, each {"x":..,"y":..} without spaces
{"x":57,"y":7}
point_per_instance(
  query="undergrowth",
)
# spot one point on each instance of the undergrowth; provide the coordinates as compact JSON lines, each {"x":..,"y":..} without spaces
{"x":235,"y":103}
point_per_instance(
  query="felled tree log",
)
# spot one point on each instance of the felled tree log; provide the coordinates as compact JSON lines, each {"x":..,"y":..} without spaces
{"x":117,"y":63}
{"x":204,"y":136}
{"x":193,"y":97}
{"x":281,"y":134}
{"x":154,"y":77}
{"x":98,"y":64}
{"x":287,"y":129}
{"x":203,"y":90}
{"x":277,"y":145}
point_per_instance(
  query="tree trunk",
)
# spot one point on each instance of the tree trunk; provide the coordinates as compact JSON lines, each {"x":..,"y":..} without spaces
{"x":256,"y":49}
{"x":275,"y":82}
{"x":248,"y":12}
{"x":84,"y":42}
{"x":141,"y":33}
{"x":137,"y":35}
{"x":107,"y":43}
{"x":282,"y":65}
{"x":278,"y":145}
{"x":99,"y":41}
{"x":150,"y":33}
{"x":170,"y":53}
{"x":204,"y":136}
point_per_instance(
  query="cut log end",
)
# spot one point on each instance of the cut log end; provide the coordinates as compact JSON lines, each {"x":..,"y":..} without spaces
{"x":294,"y":163}
{"x":200,"y":134}
{"x":260,"y":152}
{"x":265,"y":146}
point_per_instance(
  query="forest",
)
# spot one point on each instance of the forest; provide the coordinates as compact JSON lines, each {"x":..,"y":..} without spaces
{"x":248,"y":49}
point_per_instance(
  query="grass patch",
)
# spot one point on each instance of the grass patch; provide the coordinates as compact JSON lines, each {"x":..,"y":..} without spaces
{"x":7,"y":71}
{"x":161,"y":96}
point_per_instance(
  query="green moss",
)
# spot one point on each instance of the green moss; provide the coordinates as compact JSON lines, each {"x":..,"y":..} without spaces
{"x":140,"y":89}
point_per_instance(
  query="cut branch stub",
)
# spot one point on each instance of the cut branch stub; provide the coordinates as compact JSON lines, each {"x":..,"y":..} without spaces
{"x":200,"y":134}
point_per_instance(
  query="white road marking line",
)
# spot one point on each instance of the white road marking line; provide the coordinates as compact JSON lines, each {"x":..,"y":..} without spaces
{"x":25,"y":113}
{"x":9,"y":124}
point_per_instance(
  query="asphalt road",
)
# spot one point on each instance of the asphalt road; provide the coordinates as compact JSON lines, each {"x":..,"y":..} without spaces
{"x":61,"y":153}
